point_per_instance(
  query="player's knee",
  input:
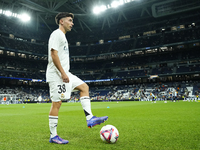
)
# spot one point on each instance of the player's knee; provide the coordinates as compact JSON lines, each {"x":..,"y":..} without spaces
{"x":56,"y":105}
{"x":83,"y":88}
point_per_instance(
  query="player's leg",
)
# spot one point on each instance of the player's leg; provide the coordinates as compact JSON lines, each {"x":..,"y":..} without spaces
{"x":53,"y":118}
{"x":78,"y":84}
{"x":53,"y":115}
{"x":86,"y":104}
{"x":85,"y":100}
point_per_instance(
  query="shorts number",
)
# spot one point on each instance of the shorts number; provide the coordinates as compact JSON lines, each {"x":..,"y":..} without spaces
{"x":62,"y":89}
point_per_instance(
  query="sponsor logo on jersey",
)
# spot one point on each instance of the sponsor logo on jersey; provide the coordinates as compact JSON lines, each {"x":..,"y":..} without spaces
{"x":65,"y":48}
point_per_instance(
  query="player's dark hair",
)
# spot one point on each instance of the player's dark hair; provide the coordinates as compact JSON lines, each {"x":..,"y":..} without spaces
{"x":63,"y":15}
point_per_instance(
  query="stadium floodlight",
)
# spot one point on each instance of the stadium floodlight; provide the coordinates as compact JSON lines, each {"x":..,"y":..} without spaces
{"x":96,"y":10}
{"x":127,"y":1}
{"x":14,"y":15}
{"x":115,"y":4}
{"x":24,"y":17}
{"x":121,"y":2}
{"x":103,"y":7}
{"x":8,"y":13}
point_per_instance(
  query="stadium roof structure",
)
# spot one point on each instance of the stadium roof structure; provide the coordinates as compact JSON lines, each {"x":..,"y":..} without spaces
{"x":44,"y":11}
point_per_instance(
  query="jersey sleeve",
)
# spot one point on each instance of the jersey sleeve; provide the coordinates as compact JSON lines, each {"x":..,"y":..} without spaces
{"x":55,"y":41}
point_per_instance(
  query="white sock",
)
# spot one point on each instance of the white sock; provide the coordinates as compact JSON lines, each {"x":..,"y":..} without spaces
{"x":53,"y":122}
{"x":85,"y":102}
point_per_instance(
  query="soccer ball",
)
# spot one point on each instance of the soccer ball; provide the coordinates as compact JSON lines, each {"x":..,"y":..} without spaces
{"x":109,"y":133}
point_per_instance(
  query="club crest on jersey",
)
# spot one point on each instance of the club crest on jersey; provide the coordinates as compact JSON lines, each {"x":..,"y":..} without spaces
{"x":62,"y":96}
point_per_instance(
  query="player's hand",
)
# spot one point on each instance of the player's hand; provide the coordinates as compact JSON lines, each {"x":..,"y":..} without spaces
{"x":65,"y":78}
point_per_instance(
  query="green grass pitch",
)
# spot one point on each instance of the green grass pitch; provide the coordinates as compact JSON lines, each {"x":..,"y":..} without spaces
{"x":141,"y":125}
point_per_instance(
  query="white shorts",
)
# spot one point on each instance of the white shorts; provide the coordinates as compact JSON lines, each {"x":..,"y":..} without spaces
{"x":60,"y":90}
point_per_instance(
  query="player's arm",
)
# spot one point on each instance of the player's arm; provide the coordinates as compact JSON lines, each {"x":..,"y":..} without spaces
{"x":56,"y":61}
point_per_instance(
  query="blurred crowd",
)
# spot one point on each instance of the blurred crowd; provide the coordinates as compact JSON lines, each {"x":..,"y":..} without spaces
{"x":141,"y":92}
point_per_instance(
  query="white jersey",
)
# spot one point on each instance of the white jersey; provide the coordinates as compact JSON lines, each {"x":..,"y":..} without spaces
{"x":152,"y":95}
{"x":58,"y":42}
{"x":40,"y":98}
{"x":175,"y":93}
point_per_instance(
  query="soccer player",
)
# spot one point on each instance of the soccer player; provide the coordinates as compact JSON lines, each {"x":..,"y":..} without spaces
{"x":174,"y":95}
{"x":153,"y":98}
{"x":5,"y":99}
{"x":11,"y":100}
{"x":61,"y":81}
{"x":40,"y":99}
